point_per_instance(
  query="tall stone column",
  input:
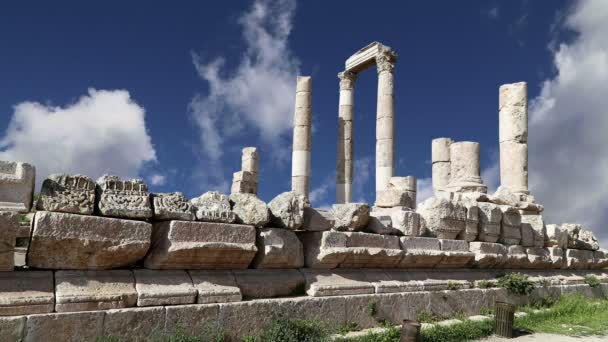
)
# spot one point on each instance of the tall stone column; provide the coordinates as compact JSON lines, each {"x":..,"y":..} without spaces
{"x":440,"y":156}
{"x":464,"y":168}
{"x":302,"y":120}
{"x":344,"y":168}
{"x":385,"y":119}
{"x":513,"y":137}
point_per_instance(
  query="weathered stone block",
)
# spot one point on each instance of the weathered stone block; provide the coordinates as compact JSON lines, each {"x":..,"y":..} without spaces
{"x":516,"y":257}
{"x":215,"y":286}
{"x":530,"y":219}
{"x":471,"y":229}
{"x":404,"y":221}
{"x":134,"y":324}
{"x":213,"y":206}
{"x":24,"y":293}
{"x":556,"y":236}
{"x":421,"y":252}
{"x":578,"y":259}
{"x":9,"y":225}
{"x":488,"y":255}
{"x":539,"y":257}
{"x":556,"y":254}
{"x":510,"y":234}
{"x":336,"y":283}
{"x":242,"y":187}
{"x":166,"y":287}
{"x":12,"y":328}
{"x":350,"y":216}
{"x":580,"y":238}
{"x":317,"y":219}
{"x":600,"y":259}
{"x":94,"y":290}
{"x":123,"y":198}
{"x":490,"y":217}
{"x":249,"y":209}
{"x":195,"y":319}
{"x":278,"y":248}
{"x":68,"y":194}
{"x":172,"y":206}
{"x":396,"y":198}
{"x":70,"y":241}
{"x":200,"y":245}
{"x":287,"y":210}
{"x":17,"y":190}
{"x":65,"y":327}
{"x":442,"y":218}
{"x":456,"y":254}
{"x":269,"y":283}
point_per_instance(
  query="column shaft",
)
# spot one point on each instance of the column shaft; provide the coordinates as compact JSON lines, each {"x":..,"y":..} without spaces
{"x":344,"y":163}
{"x":300,"y":168}
{"x":513,"y":136}
{"x":385,"y":121}
{"x":440,"y":156}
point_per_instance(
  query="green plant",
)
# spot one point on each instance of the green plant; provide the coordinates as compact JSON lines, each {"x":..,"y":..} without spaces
{"x":427,"y":317}
{"x":516,"y":283}
{"x":452,"y":285}
{"x":372,"y":309}
{"x":485,"y":311}
{"x":485,"y":284}
{"x":592,"y":280}
{"x":295,"y":330}
{"x":544,"y":283}
{"x":348,"y":327}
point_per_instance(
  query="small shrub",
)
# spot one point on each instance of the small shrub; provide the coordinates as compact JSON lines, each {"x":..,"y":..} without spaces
{"x":592,"y":280}
{"x":427,"y":317}
{"x":485,"y":284}
{"x":348,"y":327}
{"x":516,"y":283}
{"x":452,"y":285}
{"x":372,"y":309}
{"x":294,"y":330}
{"x":485,"y":311}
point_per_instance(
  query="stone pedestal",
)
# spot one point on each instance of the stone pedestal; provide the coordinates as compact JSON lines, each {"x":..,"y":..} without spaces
{"x":513,"y":137}
{"x":440,"y":156}
{"x":464,"y":168}
{"x":300,"y":161}
{"x":344,"y":167}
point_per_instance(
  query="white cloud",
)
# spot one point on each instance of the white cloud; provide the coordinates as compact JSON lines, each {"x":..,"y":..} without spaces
{"x":424,"y":189}
{"x":258,"y":94}
{"x":103,"y":132}
{"x":158,"y":179}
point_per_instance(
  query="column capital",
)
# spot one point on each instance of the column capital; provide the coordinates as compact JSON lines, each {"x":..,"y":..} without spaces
{"x":347,"y":80}
{"x":385,"y":60}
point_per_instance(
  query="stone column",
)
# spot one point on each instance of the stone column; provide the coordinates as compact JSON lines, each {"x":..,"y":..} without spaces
{"x":513,"y":137}
{"x":302,"y":120}
{"x":464,"y":168}
{"x":344,"y":177}
{"x":246,"y":180}
{"x":385,"y":120}
{"x":440,"y":156}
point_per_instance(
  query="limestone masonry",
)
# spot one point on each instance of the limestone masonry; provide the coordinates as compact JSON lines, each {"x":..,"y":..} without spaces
{"x":110,"y":258}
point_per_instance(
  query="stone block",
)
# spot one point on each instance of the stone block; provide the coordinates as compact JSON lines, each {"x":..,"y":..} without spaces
{"x":600,"y":259}
{"x":172,"y":206}
{"x":350,"y":216}
{"x":215,"y":286}
{"x":94,"y":290}
{"x":249,"y":209}
{"x":200,"y":245}
{"x":9,"y":225}
{"x":421,"y":252}
{"x":471,"y":229}
{"x":193,"y":320}
{"x":556,"y":254}
{"x":316,"y":219}
{"x":321,"y":283}
{"x":278,"y":248}
{"x":70,"y":241}
{"x":404,"y":221}
{"x":213,"y":206}
{"x":516,"y":257}
{"x":242,"y":187}
{"x":488,"y":255}
{"x":456,"y":253}
{"x":17,"y":190}
{"x":556,"y":236}
{"x":123,"y":198}
{"x":396,"y":198}
{"x":68,"y":194}
{"x":442,"y":218}
{"x":536,"y":222}
{"x":579,"y":259}
{"x":539,"y":257}
{"x":287,"y":210}
{"x":134,"y":324}
{"x":490,"y":217}
{"x":24,"y":293}
{"x":65,"y":327}
{"x":269,"y":283}
{"x":510,"y":234}
{"x":166,"y":287}
{"x":12,"y":328}
{"x":580,"y":238}
{"x":380,"y":224}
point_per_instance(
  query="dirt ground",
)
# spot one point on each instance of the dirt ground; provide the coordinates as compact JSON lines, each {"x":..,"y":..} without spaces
{"x":548,"y":338}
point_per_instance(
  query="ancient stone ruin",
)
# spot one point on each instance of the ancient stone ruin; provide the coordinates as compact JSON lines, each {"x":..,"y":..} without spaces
{"x":109,"y":258}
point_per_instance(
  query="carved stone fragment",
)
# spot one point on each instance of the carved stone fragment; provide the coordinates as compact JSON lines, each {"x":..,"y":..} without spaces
{"x":68,"y":194}
{"x":213,"y":206}
{"x":580,"y":238}
{"x":287,"y":210}
{"x":350,"y":216}
{"x":123,"y":198}
{"x":249,"y":209}
{"x":442,"y":218}
{"x":16,"y":186}
{"x":172,"y":206}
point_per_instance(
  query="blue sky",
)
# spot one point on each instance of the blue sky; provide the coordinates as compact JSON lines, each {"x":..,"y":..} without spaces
{"x":171,"y":93}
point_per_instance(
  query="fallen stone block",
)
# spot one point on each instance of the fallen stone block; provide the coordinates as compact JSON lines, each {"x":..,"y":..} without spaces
{"x":488,"y":255}
{"x":516,"y":257}
{"x":381,"y":224}
{"x":9,"y":225}
{"x":200,"y":245}
{"x":70,"y":241}
{"x":65,"y":327}
{"x":350,"y":250}
{"x":134,"y":324}
{"x":213,"y":206}
{"x":172,"y":206}
{"x":396,"y":198}
{"x":166,"y":287}
{"x":316,"y":219}
{"x":600,"y":259}
{"x":68,"y":194}
{"x":269,"y":283}
{"x":215,"y":286}
{"x":420,"y":252}
{"x":320,"y":283}
{"x":538,"y":257}
{"x":12,"y":328}
{"x":404,"y":221}
{"x":456,"y":254}
{"x":556,"y":236}
{"x":580,"y":238}
{"x":510,"y":234}
{"x":533,"y":223}
{"x":278,"y":248}
{"x":17,"y":190}
{"x":442,"y":218}
{"x":249,"y":209}
{"x":350,"y":216}
{"x":287,"y":210}
{"x":24,"y":293}
{"x":123,"y":198}
{"x":578,"y":259}
{"x":94,"y":290}
{"x":556,"y":254}
{"x":490,"y":217}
